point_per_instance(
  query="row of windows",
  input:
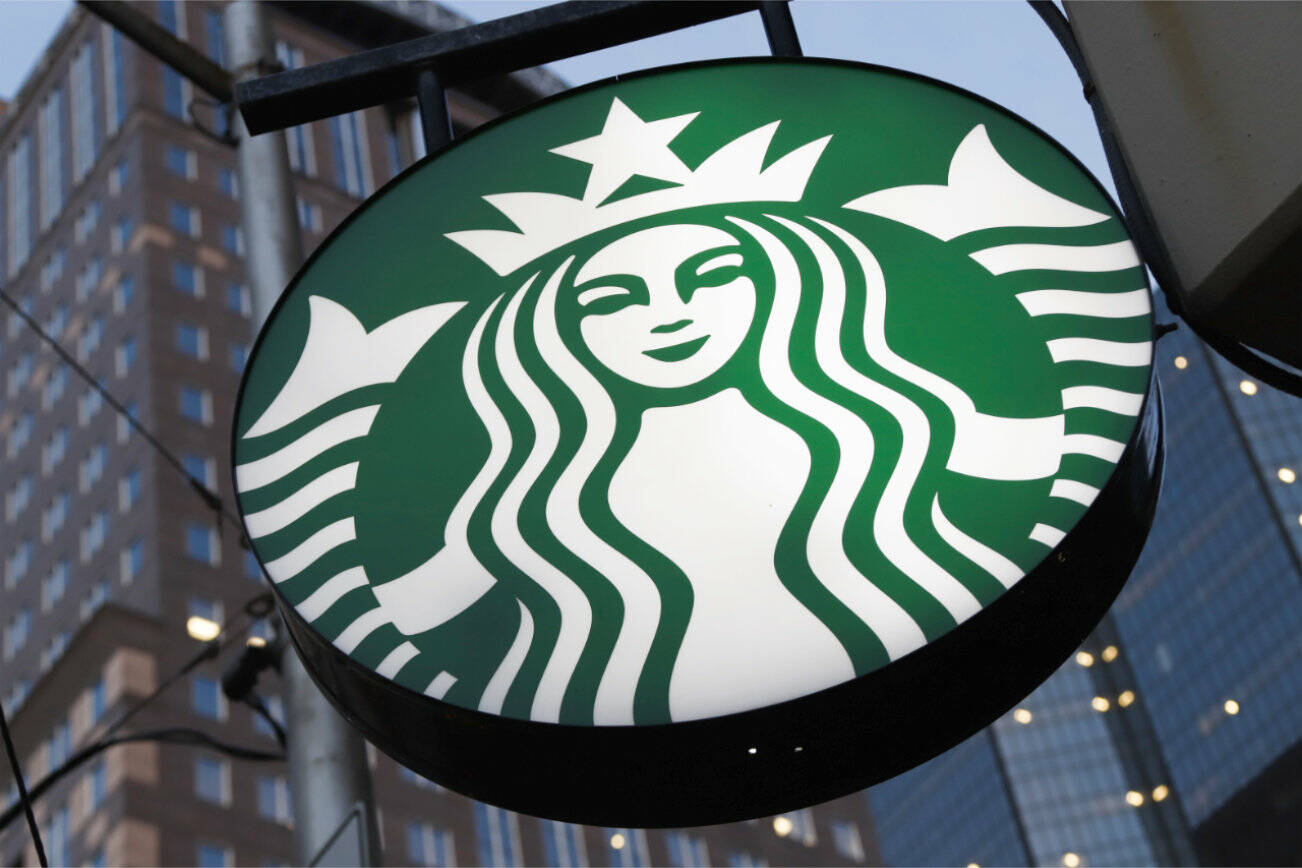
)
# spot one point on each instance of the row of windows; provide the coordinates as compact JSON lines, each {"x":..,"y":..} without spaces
{"x":72,"y":113}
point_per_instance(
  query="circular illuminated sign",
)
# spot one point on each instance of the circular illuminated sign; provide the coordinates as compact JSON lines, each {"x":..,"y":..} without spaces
{"x":705,"y":443}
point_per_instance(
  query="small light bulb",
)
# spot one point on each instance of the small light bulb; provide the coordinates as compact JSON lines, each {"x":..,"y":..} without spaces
{"x":202,"y":629}
{"x":1160,"y":792}
{"x":1247,"y":387}
{"x":752,"y":751}
{"x":1109,"y":654}
{"x":1231,"y":707}
{"x":1071,"y":860}
{"x":1085,"y":658}
{"x":1134,"y":798}
{"x":1181,"y":363}
{"x":1126,"y":697}
{"x":1287,"y":475}
{"x":617,"y":841}
{"x":255,"y":642}
{"x":782,"y":825}
{"x":1100,"y":703}
{"x":1022,"y":715}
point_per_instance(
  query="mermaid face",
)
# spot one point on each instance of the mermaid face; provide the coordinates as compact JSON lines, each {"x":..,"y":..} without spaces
{"x":666,"y":307}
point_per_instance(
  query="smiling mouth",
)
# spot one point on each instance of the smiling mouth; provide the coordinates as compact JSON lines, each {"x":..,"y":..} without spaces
{"x":677,"y":352}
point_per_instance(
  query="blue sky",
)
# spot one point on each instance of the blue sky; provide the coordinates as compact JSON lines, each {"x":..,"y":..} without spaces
{"x":996,"y":48}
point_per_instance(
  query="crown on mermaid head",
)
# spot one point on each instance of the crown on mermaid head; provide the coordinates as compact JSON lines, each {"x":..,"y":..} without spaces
{"x":629,"y":146}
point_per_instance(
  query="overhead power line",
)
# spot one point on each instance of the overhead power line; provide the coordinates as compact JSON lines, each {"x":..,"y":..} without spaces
{"x":210,"y":498}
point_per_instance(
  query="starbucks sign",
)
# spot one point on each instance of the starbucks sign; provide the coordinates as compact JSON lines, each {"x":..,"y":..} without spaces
{"x":704,"y":443}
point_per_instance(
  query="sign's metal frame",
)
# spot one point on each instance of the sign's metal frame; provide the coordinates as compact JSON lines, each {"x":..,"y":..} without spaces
{"x":772,"y":759}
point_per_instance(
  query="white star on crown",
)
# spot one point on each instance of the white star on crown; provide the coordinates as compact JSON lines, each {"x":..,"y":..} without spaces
{"x":628,"y":146}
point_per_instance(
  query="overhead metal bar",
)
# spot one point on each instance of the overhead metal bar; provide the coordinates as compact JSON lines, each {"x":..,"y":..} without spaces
{"x":382,"y":75}
{"x":159,"y":42}
{"x":780,"y":29}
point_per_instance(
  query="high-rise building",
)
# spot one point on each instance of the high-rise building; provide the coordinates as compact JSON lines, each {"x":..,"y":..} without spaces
{"x":1175,"y":735}
{"x":120,"y":235}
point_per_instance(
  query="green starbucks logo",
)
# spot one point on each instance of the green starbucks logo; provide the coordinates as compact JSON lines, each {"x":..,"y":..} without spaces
{"x":665,"y":403}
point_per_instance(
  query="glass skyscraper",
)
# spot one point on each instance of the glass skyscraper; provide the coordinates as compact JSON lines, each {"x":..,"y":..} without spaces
{"x":1187,"y":694}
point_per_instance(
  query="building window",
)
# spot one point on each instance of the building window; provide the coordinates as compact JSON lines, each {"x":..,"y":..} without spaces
{"x":84,"y":101}
{"x":200,"y":468}
{"x":628,"y":848}
{"x":125,"y":358}
{"x":192,"y":340}
{"x":427,"y":845}
{"x":233,"y":240}
{"x":88,"y":405}
{"x":50,"y":127}
{"x":17,"y":631}
{"x":252,"y":569}
{"x":98,"y":596}
{"x":124,"y":421}
{"x":212,"y":780}
{"x":87,"y":221}
{"x":94,"y":535}
{"x":92,"y":468}
{"x":184,"y":218}
{"x":351,"y":154}
{"x":54,"y":516}
{"x":210,"y":855}
{"x":273,"y":799}
{"x":275,"y":708}
{"x":55,"y":387}
{"x":20,"y":435}
{"x":206,"y":698}
{"x":17,"y":564}
{"x":498,"y":835}
{"x":114,"y":80}
{"x":96,"y":787}
{"x":20,"y":203}
{"x":845,"y":835}
{"x":52,"y":270}
{"x":89,"y":277}
{"x":195,"y":404}
{"x":52,"y":454}
{"x":120,"y":235}
{"x":132,"y":560}
{"x":60,"y":744}
{"x":686,"y":851}
{"x":563,"y":843}
{"x":181,"y":162}
{"x":238,"y":300}
{"x":90,"y":338}
{"x":745,"y":860}
{"x":98,"y":701}
{"x":201,"y":543}
{"x":57,"y":837}
{"x":54,"y":586}
{"x":309,"y":215}
{"x":228,"y":183}
{"x":238,"y":357}
{"x":188,"y":279}
{"x":126,"y":290}
{"x":129,"y":490}
{"x":18,"y":497}
{"x":118,"y":177}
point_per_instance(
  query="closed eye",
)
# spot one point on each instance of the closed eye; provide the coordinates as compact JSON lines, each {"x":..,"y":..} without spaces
{"x":721,"y":261}
{"x":597,"y":292}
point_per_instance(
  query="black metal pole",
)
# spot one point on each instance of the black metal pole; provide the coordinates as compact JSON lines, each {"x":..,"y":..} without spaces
{"x":434,"y":120}
{"x":780,"y":28}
